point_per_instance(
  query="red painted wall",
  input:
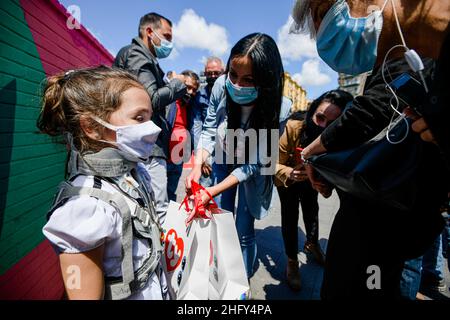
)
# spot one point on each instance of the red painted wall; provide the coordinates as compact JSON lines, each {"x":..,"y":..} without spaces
{"x":59,"y":47}
{"x":36,"y":276}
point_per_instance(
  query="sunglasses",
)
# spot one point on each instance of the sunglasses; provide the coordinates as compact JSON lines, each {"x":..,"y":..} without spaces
{"x":213,"y":73}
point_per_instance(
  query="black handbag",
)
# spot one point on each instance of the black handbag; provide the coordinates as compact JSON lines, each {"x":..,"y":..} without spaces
{"x":377,"y":170}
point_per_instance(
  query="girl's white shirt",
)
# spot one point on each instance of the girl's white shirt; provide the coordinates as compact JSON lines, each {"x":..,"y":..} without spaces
{"x":84,"y":223}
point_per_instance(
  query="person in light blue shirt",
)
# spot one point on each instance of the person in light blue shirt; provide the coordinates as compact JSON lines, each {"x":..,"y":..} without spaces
{"x":245,"y":102}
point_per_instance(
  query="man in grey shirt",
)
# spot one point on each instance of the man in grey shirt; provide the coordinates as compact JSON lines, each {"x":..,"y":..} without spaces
{"x":141,"y":58}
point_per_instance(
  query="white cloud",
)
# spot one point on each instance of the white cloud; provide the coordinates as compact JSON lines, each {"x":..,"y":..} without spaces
{"x":192,"y":31}
{"x":311,"y":74}
{"x":295,"y":46}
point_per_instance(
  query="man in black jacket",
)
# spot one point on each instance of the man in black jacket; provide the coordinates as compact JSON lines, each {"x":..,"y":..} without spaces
{"x":140,"y":58}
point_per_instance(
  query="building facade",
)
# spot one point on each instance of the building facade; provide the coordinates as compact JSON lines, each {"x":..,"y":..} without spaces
{"x":352,"y":84}
{"x":296,"y":93}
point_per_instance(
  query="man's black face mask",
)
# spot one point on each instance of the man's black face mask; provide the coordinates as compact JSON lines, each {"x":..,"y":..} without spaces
{"x":187,"y":98}
{"x":210,"y":81}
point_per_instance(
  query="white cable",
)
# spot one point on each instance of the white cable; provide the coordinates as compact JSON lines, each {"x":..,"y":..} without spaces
{"x":416,"y":65}
{"x":411,"y":56}
{"x":392,"y":123}
{"x":398,"y":25}
{"x":403,"y":117}
{"x":383,"y":68}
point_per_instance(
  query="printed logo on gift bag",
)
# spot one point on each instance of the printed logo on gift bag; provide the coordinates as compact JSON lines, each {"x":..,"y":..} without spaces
{"x":174,"y":249}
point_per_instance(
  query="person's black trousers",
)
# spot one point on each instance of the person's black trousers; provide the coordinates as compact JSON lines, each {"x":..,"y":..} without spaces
{"x":290,"y":197}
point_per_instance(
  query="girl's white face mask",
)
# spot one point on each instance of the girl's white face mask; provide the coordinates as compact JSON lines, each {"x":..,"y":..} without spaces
{"x":136,"y":139}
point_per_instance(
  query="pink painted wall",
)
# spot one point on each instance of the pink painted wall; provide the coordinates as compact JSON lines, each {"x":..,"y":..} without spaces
{"x":59,"y":47}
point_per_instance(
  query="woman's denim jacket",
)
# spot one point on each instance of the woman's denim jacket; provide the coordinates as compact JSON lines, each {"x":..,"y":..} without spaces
{"x":258,"y":188}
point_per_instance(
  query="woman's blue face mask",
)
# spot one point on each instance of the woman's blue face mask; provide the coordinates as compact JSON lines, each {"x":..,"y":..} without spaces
{"x":347,"y":44}
{"x":241,"y":95}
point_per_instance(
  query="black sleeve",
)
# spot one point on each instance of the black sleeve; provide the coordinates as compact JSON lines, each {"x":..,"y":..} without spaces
{"x":437,"y":109}
{"x":163,"y":96}
{"x":369,"y":113}
{"x":145,"y":69}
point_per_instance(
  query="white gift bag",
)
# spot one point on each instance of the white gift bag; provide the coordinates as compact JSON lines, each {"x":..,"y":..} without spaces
{"x":186,"y":254}
{"x":176,"y":245}
{"x":227,"y":278}
{"x":204,"y":260}
{"x":194,"y":284}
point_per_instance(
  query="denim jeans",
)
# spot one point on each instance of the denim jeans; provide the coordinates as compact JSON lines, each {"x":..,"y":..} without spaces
{"x":410,"y":280}
{"x":446,"y":240}
{"x":173,"y":176}
{"x":245,"y":226}
{"x":433,"y":261}
{"x":245,"y":222}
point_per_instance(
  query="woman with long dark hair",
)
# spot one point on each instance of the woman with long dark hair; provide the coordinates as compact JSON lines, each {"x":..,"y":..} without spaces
{"x":292,"y":182}
{"x":248,"y":97}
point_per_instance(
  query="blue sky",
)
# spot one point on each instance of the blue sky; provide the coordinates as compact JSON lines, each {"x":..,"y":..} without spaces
{"x":209,"y":27}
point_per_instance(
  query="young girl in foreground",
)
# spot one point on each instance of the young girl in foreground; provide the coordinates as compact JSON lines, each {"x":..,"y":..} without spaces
{"x":103,"y":222}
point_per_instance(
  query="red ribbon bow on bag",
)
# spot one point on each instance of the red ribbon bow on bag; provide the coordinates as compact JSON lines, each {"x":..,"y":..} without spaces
{"x":199,"y":209}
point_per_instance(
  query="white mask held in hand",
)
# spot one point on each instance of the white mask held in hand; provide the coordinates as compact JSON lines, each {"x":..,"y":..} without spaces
{"x":136,"y":139}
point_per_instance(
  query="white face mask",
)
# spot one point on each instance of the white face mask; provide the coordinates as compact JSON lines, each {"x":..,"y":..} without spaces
{"x":137,"y":139}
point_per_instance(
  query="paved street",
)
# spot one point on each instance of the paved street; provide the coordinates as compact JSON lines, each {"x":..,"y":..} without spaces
{"x":269,"y":279}
{"x":268,"y":282}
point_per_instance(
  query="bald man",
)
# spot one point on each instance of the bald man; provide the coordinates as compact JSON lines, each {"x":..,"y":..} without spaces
{"x":369,"y":241}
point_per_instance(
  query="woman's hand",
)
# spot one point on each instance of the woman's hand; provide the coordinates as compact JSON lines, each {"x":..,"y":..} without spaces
{"x":298,"y":173}
{"x":206,"y":170}
{"x":228,"y":183}
{"x":420,"y":126}
{"x":205,"y":194}
{"x":315,"y":147}
{"x":323,"y":188}
{"x":196,"y":172}
{"x":205,"y":199}
{"x":194,"y":175}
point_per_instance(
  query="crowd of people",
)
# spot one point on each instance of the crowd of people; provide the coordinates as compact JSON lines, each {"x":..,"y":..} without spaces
{"x":130,"y":128}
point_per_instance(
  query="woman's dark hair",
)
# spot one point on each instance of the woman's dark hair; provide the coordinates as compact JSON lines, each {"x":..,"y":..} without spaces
{"x":268,"y":75}
{"x":339,"y":98}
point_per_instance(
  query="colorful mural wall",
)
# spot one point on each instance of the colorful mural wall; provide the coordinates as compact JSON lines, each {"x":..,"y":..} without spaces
{"x":35,"y":42}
